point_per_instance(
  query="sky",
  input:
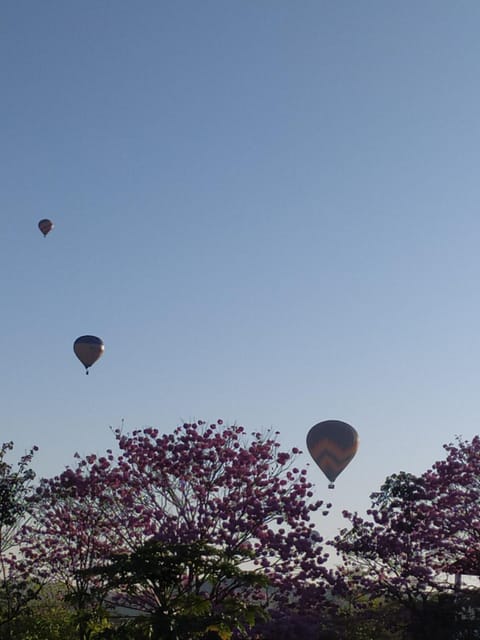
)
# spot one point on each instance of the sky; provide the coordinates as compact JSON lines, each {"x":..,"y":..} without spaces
{"x":268,"y":210}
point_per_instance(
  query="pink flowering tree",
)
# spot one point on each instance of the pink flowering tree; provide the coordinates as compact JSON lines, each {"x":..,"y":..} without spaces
{"x":71,"y":529}
{"x":453,"y":520}
{"x":210,"y":484}
{"x":418,"y":533}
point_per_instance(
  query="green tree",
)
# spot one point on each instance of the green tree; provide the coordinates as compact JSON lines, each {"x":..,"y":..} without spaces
{"x":48,"y":617}
{"x":183,"y":591}
{"x":17,"y":585}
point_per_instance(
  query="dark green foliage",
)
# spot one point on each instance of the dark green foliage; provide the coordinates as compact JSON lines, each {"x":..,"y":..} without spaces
{"x":182,"y":591}
{"x":17,"y":586}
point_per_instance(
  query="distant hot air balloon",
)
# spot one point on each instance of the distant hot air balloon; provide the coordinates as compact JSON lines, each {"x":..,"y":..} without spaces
{"x":88,"y":350}
{"x":45,"y":226}
{"x":332,"y":444}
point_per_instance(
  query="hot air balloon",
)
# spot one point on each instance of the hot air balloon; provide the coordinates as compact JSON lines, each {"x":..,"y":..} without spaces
{"x":332,"y":444}
{"x":88,"y":350}
{"x":45,"y":226}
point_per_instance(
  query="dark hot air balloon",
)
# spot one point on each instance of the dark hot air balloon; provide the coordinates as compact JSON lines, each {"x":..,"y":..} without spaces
{"x":88,"y":350}
{"x":45,"y":226}
{"x":332,"y":444}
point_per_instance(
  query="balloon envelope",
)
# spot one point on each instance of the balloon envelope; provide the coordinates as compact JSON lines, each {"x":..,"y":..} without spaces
{"x":88,"y":349}
{"x":332,"y":444}
{"x":45,"y":226}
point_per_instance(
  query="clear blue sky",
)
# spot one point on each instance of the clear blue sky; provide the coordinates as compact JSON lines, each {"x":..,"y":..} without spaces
{"x":269,"y":211}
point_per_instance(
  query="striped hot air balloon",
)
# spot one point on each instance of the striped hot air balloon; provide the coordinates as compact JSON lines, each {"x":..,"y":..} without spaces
{"x":88,"y":350}
{"x":332,"y":444}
